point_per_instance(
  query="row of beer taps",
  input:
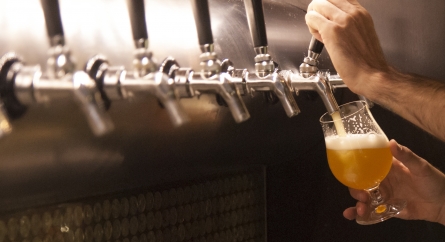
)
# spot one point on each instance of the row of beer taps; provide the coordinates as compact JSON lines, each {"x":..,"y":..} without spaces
{"x":101,"y":83}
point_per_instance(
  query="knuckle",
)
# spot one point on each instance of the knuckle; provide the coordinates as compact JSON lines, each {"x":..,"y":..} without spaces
{"x":335,"y":28}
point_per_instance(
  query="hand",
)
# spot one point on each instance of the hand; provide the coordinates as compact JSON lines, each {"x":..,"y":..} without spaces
{"x":413,"y":179}
{"x":348,"y":33}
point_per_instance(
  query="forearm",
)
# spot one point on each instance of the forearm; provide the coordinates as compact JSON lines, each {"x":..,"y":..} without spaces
{"x":418,"y":99}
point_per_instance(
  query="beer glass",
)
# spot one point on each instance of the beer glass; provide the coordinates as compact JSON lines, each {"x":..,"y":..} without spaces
{"x":360,"y":158}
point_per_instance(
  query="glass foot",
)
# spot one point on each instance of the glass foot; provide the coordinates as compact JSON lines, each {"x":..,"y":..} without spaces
{"x":382,"y":212}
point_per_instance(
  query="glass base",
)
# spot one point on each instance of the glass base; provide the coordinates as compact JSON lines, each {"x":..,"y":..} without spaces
{"x":382,"y":212}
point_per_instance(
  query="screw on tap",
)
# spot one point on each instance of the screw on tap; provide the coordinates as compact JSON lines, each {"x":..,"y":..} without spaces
{"x":115,"y":83}
{"x":211,"y":79}
{"x":60,"y":61}
{"x":25,"y":85}
{"x":309,"y":68}
{"x":267,"y":77}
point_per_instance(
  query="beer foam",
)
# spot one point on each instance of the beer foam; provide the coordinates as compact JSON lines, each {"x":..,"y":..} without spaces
{"x":356,"y":141}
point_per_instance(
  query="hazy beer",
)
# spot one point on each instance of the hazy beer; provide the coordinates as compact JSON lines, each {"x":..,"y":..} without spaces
{"x":359,"y":161}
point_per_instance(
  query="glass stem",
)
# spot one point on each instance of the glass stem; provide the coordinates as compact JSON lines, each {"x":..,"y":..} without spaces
{"x":376,"y":196}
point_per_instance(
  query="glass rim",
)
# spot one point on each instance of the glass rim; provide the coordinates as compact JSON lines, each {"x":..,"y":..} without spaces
{"x":349,"y":115}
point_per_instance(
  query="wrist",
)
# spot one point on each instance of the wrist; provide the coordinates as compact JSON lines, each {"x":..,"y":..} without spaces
{"x":379,"y":85}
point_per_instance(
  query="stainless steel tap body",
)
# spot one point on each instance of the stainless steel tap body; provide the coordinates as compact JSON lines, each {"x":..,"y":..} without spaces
{"x":249,"y":83}
{"x":190,"y":83}
{"x":323,"y":84}
{"x":32,"y":86}
{"x":118,"y":84}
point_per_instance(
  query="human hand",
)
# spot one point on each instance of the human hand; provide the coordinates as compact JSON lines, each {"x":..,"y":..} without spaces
{"x":348,"y":33}
{"x":412,"y":179}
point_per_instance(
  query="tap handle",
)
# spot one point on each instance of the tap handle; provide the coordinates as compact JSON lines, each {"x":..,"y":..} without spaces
{"x":53,"y":20}
{"x":136,"y":11}
{"x":202,"y":19}
{"x":255,"y":18}
{"x":316,"y":46}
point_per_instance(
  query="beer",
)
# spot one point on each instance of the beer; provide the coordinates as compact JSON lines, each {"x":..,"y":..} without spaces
{"x":338,"y":123}
{"x":359,"y":161}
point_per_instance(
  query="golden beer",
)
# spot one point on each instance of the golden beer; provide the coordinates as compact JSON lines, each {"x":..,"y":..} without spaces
{"x":359,"y":161}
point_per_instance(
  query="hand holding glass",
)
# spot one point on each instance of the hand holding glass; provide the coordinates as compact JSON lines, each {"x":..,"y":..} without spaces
{"x":359,"y":157}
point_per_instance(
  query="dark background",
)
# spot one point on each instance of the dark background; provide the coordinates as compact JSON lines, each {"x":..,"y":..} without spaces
{"x":51,"y":157}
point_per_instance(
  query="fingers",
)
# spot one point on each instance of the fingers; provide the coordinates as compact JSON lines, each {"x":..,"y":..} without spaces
{"x":359,"y":195}
{"x":314,"y":20}
{"x":360,"y":207}
{"x":349,"y":6}
{"x":413,"y":162}
{"x":352,"y":212}
{"x":326,"y":9}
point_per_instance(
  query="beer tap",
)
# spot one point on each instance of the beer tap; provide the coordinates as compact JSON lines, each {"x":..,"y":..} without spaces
{"x":115,"y":83}
{"x":142,"y":62}
{"x":25,"y":85}
{"x":213,"y":77}
{"x":267,"y":77}
{"x":59,"y":62}
{"x":309,"y":68}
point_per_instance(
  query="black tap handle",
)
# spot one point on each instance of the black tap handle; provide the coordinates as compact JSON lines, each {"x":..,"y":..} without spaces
{"x":53,"y":21}
{"x":202,"y":19}
{"x":255,"y":18}
{"x":316,"y":46}
{"x":136,"y":11}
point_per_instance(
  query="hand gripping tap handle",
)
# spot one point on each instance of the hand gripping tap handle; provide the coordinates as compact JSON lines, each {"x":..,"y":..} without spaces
{"x":255,"y":18}
{"x":202,"y":19}
{"x":53,"y":20}
{"x":136,"y":10}
{"x":316,"y":46}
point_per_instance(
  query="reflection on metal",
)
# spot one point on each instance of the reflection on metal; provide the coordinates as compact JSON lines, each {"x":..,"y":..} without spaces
{"x":53,"y":140}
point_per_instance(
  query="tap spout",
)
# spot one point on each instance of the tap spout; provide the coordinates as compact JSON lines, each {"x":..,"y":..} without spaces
{"x":320,"y":83}
{"x":274,"y":82}
{"x":157,"y":84}
{"x":32,"y":87}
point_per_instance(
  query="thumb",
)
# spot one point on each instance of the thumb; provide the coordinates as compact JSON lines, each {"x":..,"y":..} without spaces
{"x":413,"y":162}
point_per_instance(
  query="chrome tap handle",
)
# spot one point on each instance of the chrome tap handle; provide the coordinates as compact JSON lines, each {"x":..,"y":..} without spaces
{"x":53,"y":21}
{"x":255,"y":19}
{"x":136,"y":10}
{"x":85,"y":92}
{"x":202,"y":20}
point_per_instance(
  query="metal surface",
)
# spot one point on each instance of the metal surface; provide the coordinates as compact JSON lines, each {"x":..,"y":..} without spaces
{"x":51,"y":156}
